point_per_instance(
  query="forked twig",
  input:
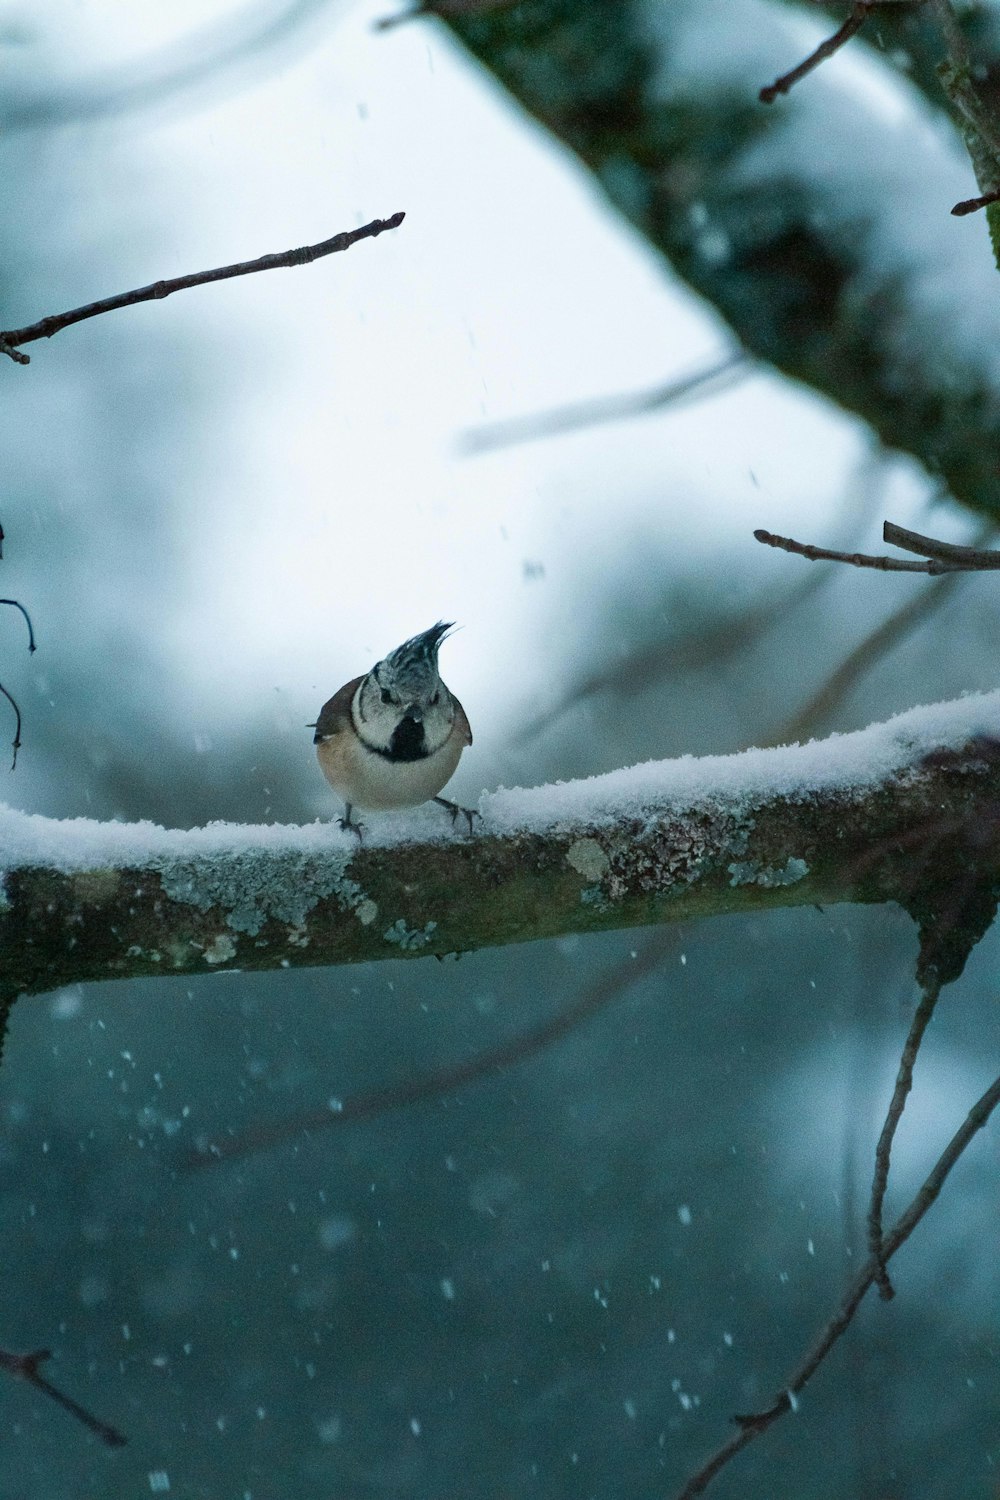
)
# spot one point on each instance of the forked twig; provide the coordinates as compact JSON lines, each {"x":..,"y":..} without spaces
{"x":883,"y":1151}
{"x":753,"y":1425}
{"x":25,"y":1367}
{"x":46,"y":327}
{"x":938,"y":557}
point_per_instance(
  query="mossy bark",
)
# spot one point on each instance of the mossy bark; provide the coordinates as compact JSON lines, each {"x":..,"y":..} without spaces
{"x":928,"y":838}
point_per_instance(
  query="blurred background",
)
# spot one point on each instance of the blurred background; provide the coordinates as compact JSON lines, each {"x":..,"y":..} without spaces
{"x":562,"y":1280}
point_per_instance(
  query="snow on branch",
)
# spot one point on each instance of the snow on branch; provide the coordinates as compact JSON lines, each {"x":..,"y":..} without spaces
{"x":821,"y":231}
{"x":902,"y":811}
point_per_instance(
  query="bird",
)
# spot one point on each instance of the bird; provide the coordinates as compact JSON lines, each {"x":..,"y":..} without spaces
{"x":394,"y":736}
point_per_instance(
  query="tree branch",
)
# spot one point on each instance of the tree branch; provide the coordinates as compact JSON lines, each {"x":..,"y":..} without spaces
{"x":845,"y":819}
{"x":752,"y":1427}
{"x":816,"y":272}
{"x":26,"y":1367}
{"x":883,"y":1151}
{"x":826,"y":49}
{"x":940,"y":557}
{"x":46,"y":327}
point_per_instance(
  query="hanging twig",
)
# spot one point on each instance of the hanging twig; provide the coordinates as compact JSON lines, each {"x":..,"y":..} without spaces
{"x":46,"y":327}
{"x":27,"y":618}
{"x":752,"y":1426}
{"x":16,"y":742}
{"x":25,"y":1367}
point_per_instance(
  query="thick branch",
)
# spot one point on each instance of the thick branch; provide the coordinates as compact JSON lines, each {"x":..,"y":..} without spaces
{"x":823,"y":271}
{"x":157,"y":290}
{"x":900,"y":812}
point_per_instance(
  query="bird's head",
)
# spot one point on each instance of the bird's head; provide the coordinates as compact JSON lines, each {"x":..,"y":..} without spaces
{"x":403,"y":709}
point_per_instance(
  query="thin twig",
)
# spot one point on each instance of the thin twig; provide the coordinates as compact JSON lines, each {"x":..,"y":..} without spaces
{"x":46,"y":327}
{"x":941,"y":557}
{"x":16,"y":742}
{"x":856,"y":559}
{"x":445,"y":1080}
{"x":720,"y":375}
{"x":833,"y":44}
{"x":25,"y":1367}
{"x":973,"y":205}
{"x":883,"y":1151}
{"x":27,"y":619}
{"x":751,"y":1427}
{"x":967,"y":559}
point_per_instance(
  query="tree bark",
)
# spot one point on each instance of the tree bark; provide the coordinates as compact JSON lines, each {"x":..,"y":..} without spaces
{"x":906,"y":812}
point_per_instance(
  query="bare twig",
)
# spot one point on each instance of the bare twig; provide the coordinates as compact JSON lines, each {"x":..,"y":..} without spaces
{"x":973,"y":205}
{"x":46,"y":327}
{"x":833,"y":44}
{"x":16,"y":742}
{"x":856,"y":559}
{"x":15,"y":604}
{"x":883,"y":1151}
{"x":965,"y":559}
{"x":753,"y":1426}
{"x":717,"y":376}
{"x":25,"y":1367}
{"x":365,"y":1106}
{"x":941,"y":557}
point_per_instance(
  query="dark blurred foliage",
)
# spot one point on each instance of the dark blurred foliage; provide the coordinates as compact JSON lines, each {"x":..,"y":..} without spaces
{"x":562,"y":1280}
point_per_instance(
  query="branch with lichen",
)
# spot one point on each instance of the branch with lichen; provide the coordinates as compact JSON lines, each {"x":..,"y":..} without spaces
{"x":906,"y":817}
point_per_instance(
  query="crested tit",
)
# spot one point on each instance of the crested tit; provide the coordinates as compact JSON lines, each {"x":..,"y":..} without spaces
{"x":393,"y":737}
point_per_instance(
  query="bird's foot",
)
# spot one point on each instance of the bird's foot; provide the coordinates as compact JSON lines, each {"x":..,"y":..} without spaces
{"x":454,"y":809}
{"x":347,"y":822}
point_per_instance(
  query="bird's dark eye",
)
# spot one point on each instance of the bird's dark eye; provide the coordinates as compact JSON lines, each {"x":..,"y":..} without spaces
{"x":435,"y":700}
{"x":386,"y":696}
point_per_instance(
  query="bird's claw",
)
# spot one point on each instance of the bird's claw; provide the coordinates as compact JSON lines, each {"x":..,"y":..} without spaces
{"x":454,"y":809}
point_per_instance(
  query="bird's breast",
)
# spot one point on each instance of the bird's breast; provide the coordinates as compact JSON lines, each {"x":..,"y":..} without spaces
{"x":377,"y":780}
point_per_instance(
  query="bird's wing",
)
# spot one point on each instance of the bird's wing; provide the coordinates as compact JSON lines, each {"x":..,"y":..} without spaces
{"x":335,"y":714}
{"x":461,"y":722}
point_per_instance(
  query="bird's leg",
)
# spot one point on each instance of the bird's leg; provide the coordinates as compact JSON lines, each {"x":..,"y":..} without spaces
{"x":454,"y":809}
{"x":348,"y":822}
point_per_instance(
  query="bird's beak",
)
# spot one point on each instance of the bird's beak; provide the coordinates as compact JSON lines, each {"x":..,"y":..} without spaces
{"x":414,"y":712}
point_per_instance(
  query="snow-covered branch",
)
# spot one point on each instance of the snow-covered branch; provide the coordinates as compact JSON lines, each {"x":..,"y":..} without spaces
{"x":904,"y":811}
{"x":820,"y":228}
